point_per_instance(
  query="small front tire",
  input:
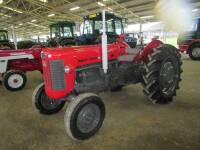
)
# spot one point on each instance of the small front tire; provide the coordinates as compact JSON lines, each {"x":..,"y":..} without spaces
{"x":194,"y":52}
{"x":44,"y":104}
{"x":84,"y":116}
{"x":14,"y":80}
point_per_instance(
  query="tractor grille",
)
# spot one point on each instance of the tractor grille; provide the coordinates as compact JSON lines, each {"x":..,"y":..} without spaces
{"x":57,"y":75}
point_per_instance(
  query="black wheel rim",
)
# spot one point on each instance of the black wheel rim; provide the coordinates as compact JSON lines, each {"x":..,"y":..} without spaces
{"x":47,"y":103}
{"x":88,"y":118}
{"x":167,"y":78}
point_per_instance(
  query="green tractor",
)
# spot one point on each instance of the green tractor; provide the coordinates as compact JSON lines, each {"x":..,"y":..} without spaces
{"x":5,"y":44}
{"x":62,"y":34}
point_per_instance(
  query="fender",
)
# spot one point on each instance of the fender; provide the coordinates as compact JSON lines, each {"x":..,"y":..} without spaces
{"x":4,"y":60}
{"x":143,"y":55}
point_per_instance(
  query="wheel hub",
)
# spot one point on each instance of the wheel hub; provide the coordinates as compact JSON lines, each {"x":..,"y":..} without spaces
{"x":15,"y":81}
{"x":49,"y":104}
{"x":196,"y":52}
{"x":168,"y":78}
{"x":88,"y":118}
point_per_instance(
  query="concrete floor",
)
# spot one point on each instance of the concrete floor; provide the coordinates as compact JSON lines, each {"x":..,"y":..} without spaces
{"x":131,"y":122}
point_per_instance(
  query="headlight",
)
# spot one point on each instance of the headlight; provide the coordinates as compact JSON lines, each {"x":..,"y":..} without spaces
{"x":67,"y":69}
{"x":49,"y":55}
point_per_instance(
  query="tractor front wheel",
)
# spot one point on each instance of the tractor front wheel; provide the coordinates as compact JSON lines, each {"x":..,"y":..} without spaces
{"x":84,"y":116}
{"x":194,"y":52}
{"x":43,"y":103}
{"x":162,"y":74}
{"x":14,"y":80}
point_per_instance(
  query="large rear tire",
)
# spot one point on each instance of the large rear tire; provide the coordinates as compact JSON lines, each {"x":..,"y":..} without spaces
{"x":44,"y":104}
{"x":84,"y":116}
{"x":162,"y":74}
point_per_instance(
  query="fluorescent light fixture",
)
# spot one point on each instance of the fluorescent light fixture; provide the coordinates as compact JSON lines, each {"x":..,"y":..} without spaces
{"x":1,"y":14}
{"x":51,"y":15}
{"x":195,"y":10}
{"x":74,"y":8}
{"x":146,"y":17}
{"x":20,"y":24}
{"x":33,"y":20}
{"x":5,"y":28}
{"x":36,"y":25}
{"x":109,"y":8}
{"x":100,"y":4}
{"x":1,"y":1}
{"x":12,"y":9}
{"x":45,"y":1}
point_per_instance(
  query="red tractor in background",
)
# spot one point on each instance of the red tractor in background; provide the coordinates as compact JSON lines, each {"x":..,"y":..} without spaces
{"x":77,"y":74}
{"x":189,"y":40}
{"x":15,"y":63}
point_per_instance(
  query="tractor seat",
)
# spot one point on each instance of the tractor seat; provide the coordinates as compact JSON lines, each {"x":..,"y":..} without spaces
{"x":131,"y":53}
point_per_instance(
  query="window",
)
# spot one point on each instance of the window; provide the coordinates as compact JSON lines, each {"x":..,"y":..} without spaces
{"x":67,"y":32}
{"x":3,"y":36}
{"x":55,"y":31}
{"x":109,"y":25}
{"x":192,"y":27}
{"x":118,"y":27}
{"x":88,"y":27}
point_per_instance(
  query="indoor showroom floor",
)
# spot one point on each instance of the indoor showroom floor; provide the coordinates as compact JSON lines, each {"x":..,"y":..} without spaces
{"x":131,"y":122}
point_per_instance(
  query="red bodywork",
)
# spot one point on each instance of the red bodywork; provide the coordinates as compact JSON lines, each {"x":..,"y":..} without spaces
{"x":184,"y":47}
{"x":78,"y":56}
{"x":22,"y":64}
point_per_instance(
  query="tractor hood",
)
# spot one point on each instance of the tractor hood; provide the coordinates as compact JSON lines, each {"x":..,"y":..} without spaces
{"x":75,"y":55}
{"x":32,"y":51}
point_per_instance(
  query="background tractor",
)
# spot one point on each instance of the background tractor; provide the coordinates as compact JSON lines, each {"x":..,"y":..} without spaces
{"x":77,"y":74}
{"x":5,"y":44}
{"x":62,"y":34}
{"x":189,"y":40}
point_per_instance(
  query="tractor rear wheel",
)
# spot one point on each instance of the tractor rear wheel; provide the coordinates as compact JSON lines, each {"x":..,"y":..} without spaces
{"x":194,"y":52}
{"x":14,"y":80}
{"x":162,"y":74}
{"x":84,"y":116}
{"x":44,"y":104}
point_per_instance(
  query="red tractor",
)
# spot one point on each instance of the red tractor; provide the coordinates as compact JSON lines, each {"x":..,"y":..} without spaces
{"x":77,"y":74}
{"x":189,"y":40}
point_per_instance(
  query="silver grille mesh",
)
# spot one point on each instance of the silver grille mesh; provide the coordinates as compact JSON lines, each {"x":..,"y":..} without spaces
{"x":57,"y":75}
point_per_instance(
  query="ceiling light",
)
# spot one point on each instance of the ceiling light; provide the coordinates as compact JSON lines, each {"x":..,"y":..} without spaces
{"x":74,"y":8}
{"x":195,"y":10}
{"x":45,"y":1}
{"x":109,"y":8}
{"x":33,"y":20}
{"x":36,"y":25}
{"x":7,"y":15}
{"x":146,"y":17}
{"x":100,"y":4}
{"x":1,"y":1}
{"x":12,"y":9}
{"x":4,"y":15}
{"x":20,"y":24}
{"x":51,"y":15}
